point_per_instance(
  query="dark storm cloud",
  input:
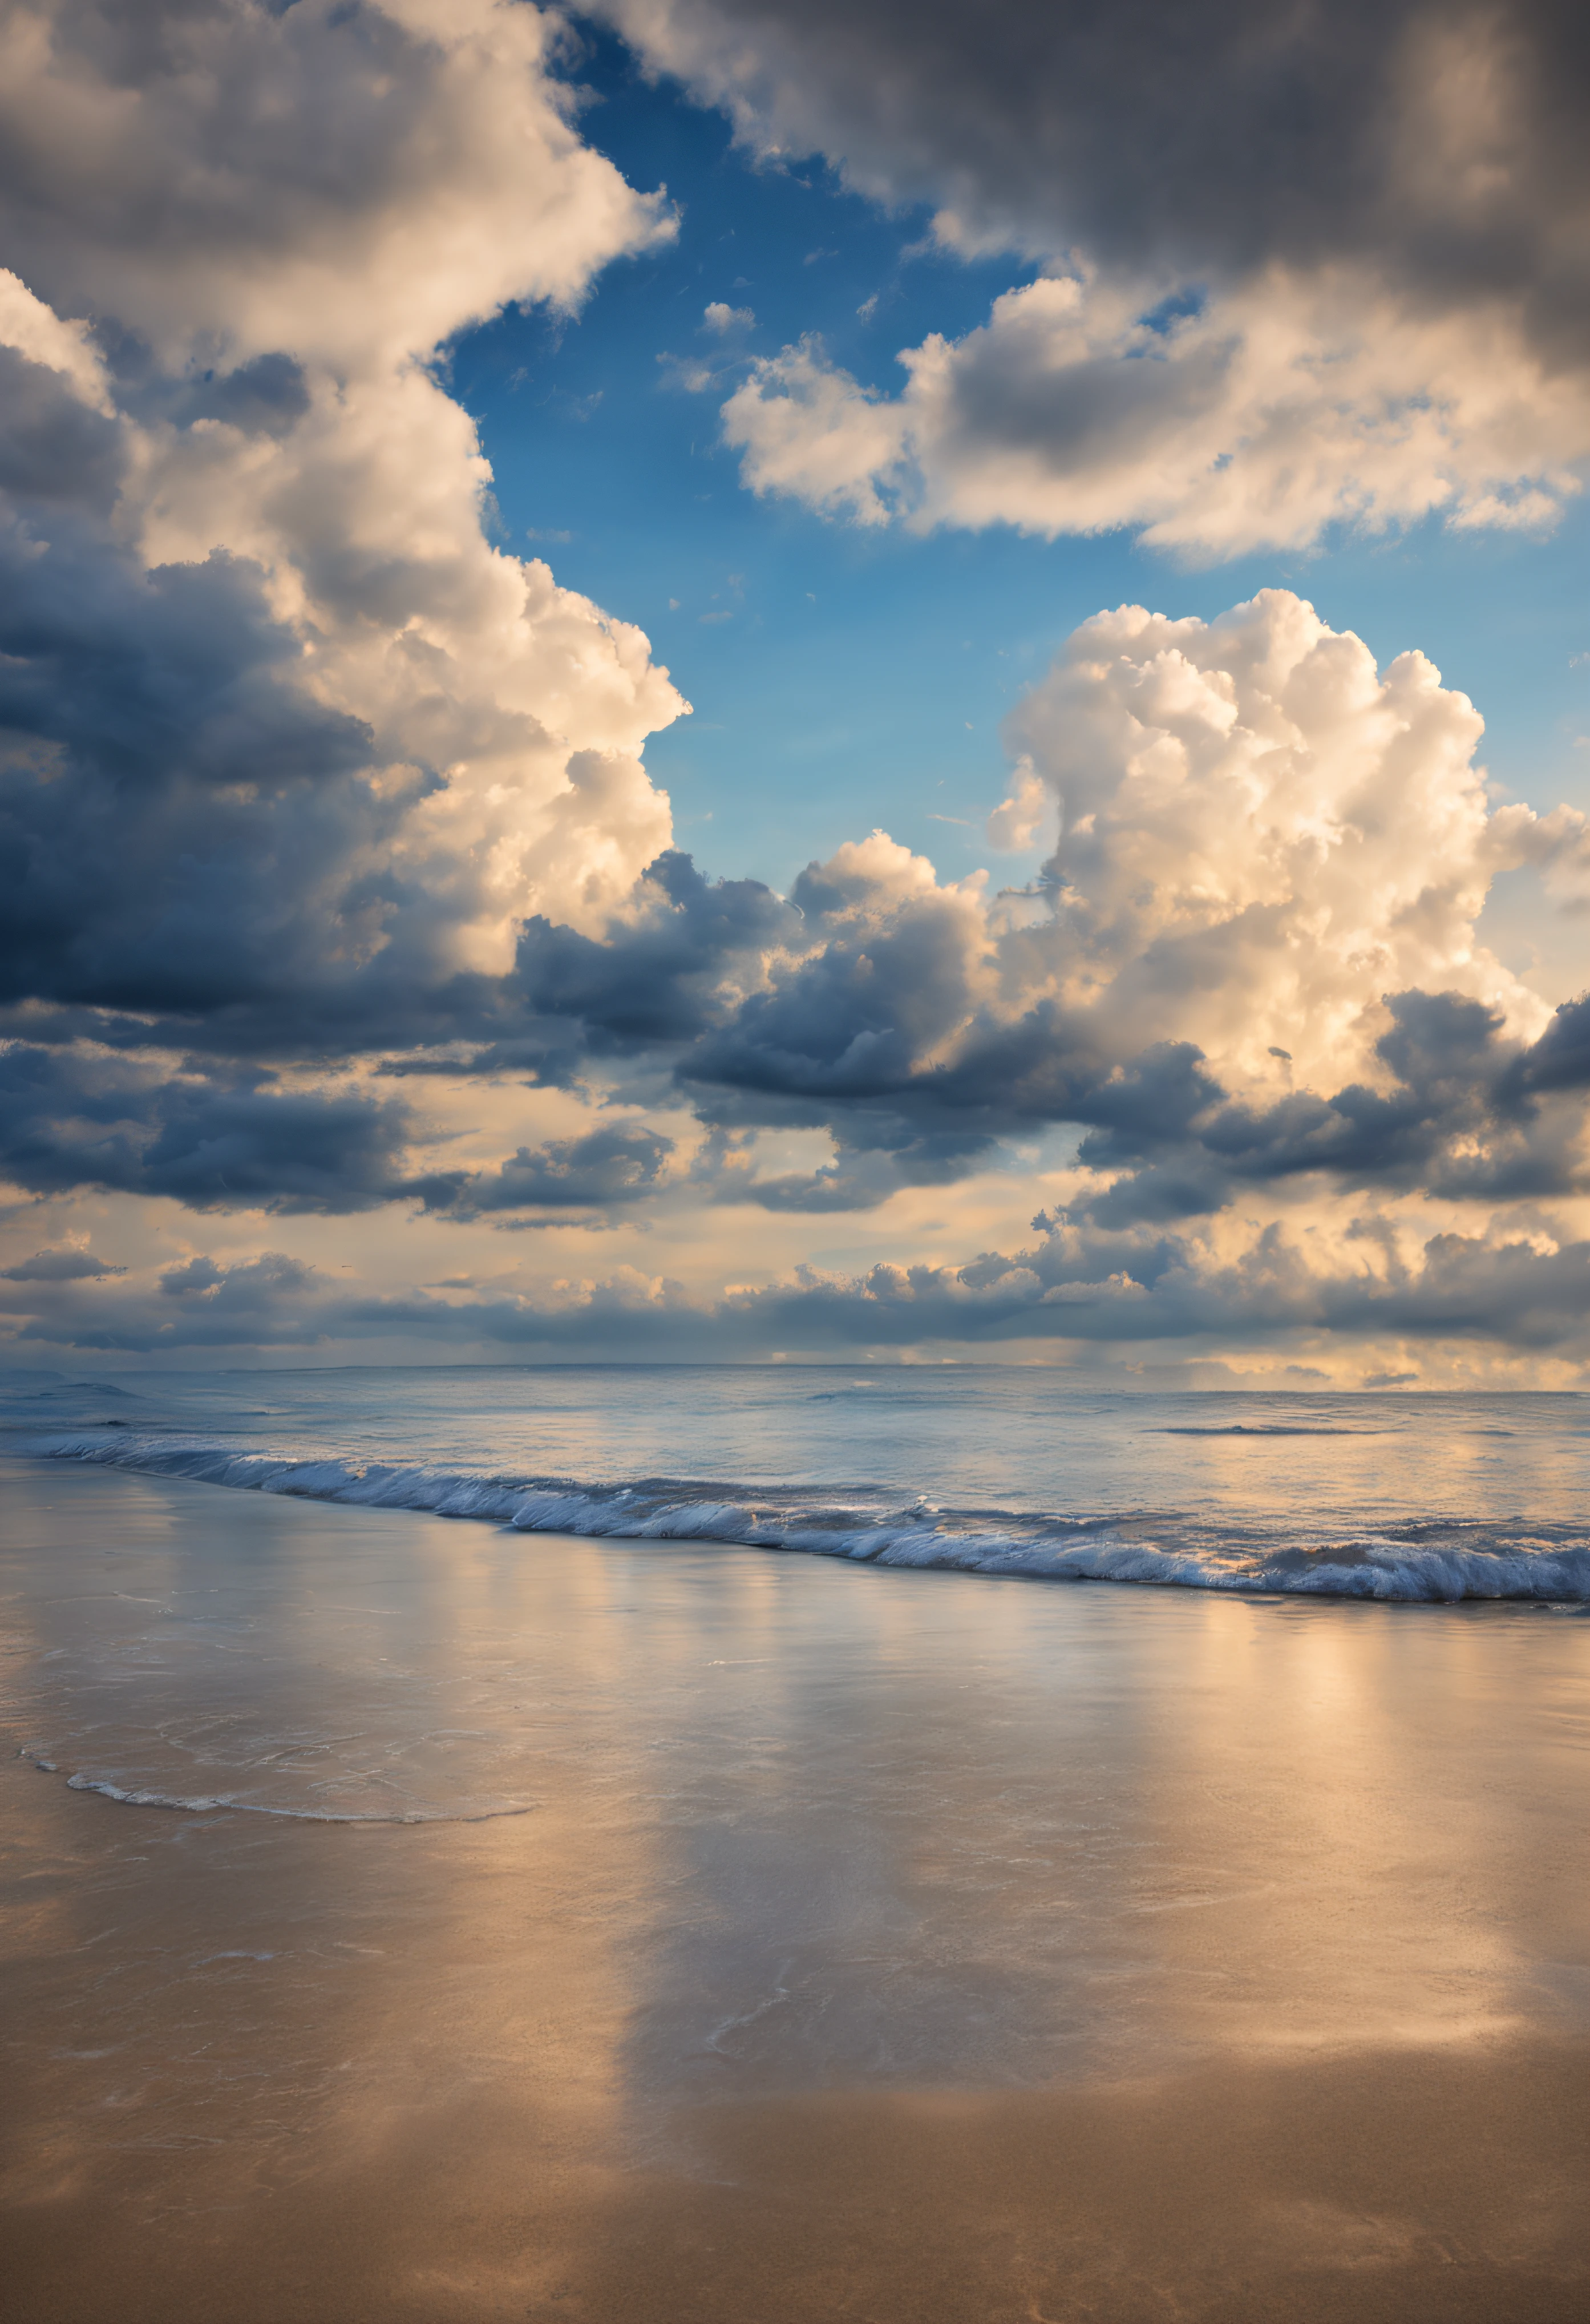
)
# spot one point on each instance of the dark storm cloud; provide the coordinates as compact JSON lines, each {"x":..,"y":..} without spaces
{"x":872,"y":1032}
{"x":54,"y":450}
{"x":266,"y":397}
{"x":1463,"y":1120}
{"x":242,"y":221}
{"x":1560,"y":1059}
{"x":70,"y":1117}
{"x":180,"y":823}
{"x":846,"y":1039}
{"x":1443,"y":141}
{"x":188,"y":838}
{"x":1010,"y":397}
{"x":1458,"y":1121}
{"x":873,"y":1160}
{"x":659,"y":979}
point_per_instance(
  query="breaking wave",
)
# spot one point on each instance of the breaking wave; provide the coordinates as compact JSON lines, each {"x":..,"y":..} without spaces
{"x":1440,"y":1562}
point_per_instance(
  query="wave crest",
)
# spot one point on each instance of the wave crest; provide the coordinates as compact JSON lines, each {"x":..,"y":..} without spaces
{"x":1439,"y":1562}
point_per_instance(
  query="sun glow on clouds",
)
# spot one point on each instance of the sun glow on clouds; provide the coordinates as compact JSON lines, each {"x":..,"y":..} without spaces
{"x":1302,"y":271}
{"x":277,"y":219}
{"x":344,"y":944}
{"x":1254,"y":422}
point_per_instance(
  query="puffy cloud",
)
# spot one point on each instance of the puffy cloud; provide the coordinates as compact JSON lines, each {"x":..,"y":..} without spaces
{"x":69,"y":1266}
{"x":1516,"y":1292}
{"x":617,"y":1164}
{"x":683,"y":956}
{"x":74,"y":1116}
{"x":1253,"y":957}
{"x":1442,"y":141}
{"x":148,"y":1124}
{"x":1486,"y":1299}
{"x":349,"y":185}
{"x":1261,"y":834}
{"x":324,"y":822}
{"x":284,"y":734}
{"x":1290,"y":1094}
{"x":1327,"y":265}
{"x":1254,"y":419}
{"x":270,"y":1301}
{"x":807,"y":429}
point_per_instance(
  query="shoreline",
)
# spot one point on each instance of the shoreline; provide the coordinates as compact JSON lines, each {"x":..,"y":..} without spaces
{"x":1456,"y":1561}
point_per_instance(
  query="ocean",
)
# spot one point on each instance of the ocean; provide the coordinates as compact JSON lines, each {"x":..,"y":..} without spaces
{"x":991,"y":1470}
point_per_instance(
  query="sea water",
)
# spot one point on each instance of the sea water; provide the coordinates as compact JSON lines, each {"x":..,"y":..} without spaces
{"x":350,"y":1674}
{"x":983,"y":1469}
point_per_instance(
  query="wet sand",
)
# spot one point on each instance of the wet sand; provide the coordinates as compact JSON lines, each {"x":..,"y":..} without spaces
{"x":880,"y":1946}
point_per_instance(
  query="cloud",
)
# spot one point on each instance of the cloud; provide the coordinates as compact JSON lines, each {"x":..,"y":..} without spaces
{"x":683,"y":957}
{"x":617,"y":1164}
{"x":349,"y":186}
{"x":1261,"y":834}
{"x":286,"y":738}
{"x":1255,"y":421}
{"x":1252,"y":957}
{"x":74,"y":1117}
{"x":1501,"y":1298}
{"x":1014,"y":824}
{"x":1298,"y":270}
{"x":1442,"y":141}
{"x":809,"y":431}
{"x":270,"y":1301}
{"x":153,"y":1125}
{"x":69,"y":1266}
{"x":1301,"y":1096}
{"x":1251,"y":961}
{"x":1451,"y":1287}
{"x":324,"y":822}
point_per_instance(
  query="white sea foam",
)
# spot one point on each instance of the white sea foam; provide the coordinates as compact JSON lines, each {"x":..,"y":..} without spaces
{"x":1437,"y":1562}
{"x":134,"y":1795}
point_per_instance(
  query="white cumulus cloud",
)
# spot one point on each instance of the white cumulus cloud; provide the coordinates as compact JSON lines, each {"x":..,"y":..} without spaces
{"x":1255,"y":419}
{"x":1262,"y":835}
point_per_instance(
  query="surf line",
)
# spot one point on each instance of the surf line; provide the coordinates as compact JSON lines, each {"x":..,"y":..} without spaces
{"x":219,"y":1803}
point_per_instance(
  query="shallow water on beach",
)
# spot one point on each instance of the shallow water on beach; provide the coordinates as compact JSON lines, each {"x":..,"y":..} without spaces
{"x":717,"y":1935}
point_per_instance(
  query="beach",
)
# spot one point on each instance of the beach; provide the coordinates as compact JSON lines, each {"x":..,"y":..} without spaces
{"x":794,"y":1163}
{"x":609,"y":1929}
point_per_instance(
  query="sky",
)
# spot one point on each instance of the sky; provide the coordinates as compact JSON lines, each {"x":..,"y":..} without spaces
{"x":729,"y":681}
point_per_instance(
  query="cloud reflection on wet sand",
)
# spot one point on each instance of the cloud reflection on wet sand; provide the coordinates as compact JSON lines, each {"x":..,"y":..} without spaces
{"x":883,"y":1945}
